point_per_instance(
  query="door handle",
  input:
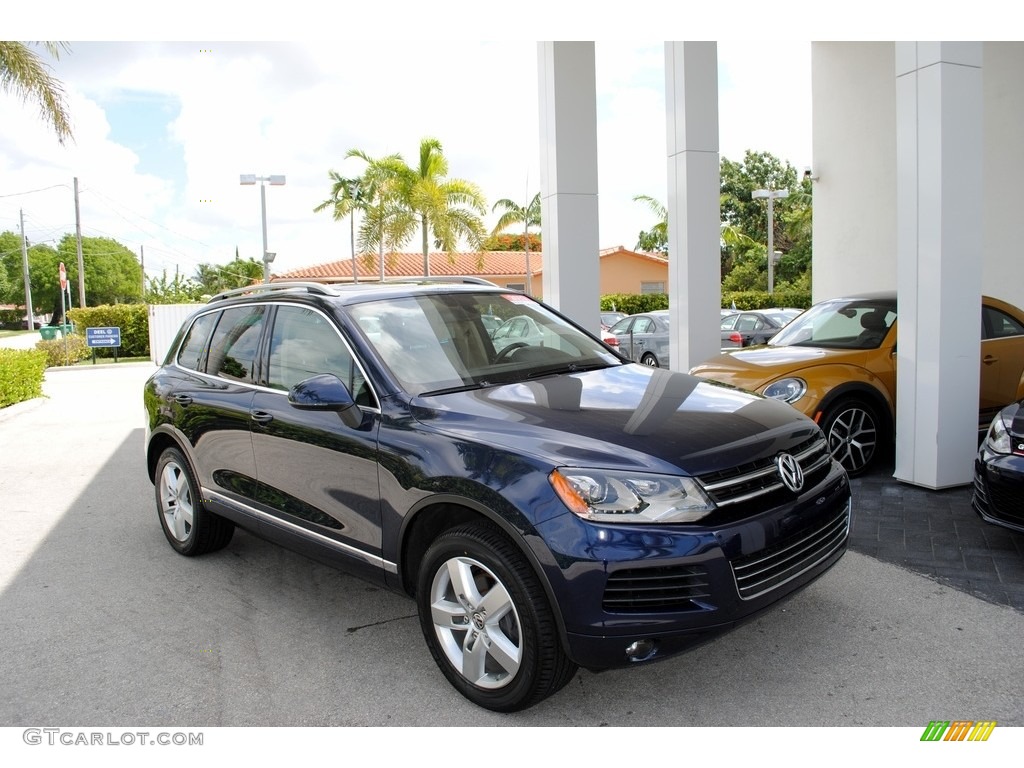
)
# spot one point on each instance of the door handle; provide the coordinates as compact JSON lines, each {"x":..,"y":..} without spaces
{"x":261,"y":417}
{"x":989,"y":359}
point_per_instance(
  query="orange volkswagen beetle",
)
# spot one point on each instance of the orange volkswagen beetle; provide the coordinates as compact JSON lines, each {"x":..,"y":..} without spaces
{"x":837,"y":363}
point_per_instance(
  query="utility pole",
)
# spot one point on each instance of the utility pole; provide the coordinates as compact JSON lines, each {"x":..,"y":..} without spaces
{"x":771,"y":195}
{"x":24,"y":268}
{"x":78,"y":246}
{"x":142,"y":263}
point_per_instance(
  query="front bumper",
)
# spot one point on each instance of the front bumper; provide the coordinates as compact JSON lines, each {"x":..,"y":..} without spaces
{"x":669,"y":588}
{"x":999,"y":489}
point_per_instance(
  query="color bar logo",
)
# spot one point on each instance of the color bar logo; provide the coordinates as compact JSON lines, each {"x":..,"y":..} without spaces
{"x":958,"y":730}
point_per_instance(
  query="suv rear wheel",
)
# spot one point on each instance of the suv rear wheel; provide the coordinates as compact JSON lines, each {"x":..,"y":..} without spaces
{"x":487,"y":621}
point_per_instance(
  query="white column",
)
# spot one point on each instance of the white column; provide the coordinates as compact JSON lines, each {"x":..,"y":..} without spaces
{"x":568,"y":179}
{"x":939,"y":242}
{"x":694,"y":230}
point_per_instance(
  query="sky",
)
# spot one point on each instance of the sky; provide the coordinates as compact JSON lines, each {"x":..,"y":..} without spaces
{"x":163,"y":130}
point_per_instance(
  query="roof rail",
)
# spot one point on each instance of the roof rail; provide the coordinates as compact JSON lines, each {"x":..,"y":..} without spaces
{"x":318,"y":288}
{"x":468,"y":279}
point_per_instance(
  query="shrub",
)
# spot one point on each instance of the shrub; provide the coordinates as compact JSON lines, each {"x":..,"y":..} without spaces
{"x":132,"y":319}
{"x":21,"y":375}
{"x":634,"y":303}
{"x":77,"y":350}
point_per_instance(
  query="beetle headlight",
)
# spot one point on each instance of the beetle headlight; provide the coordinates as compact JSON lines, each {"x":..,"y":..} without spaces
{"x":613,"y":496}
{"x":786,"y":390}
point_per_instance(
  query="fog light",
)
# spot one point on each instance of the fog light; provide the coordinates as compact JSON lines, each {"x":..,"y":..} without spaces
{"x":641,"y":650}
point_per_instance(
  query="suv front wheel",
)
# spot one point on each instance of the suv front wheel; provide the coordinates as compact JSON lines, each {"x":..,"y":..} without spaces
{"x":487,"y":621}
{"x":188,"y":526}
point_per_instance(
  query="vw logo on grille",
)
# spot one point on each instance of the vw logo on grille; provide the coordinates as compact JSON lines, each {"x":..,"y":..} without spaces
{"x":790,"y":472}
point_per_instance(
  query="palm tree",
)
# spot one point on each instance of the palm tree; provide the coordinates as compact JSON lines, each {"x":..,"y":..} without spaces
{"x":655,"y":239}
{"x":26,"y":74}
{"x":517,"y":214}
{"x":347,"y":197}
{"x":445,"y":209}
{"x":386,"y":217}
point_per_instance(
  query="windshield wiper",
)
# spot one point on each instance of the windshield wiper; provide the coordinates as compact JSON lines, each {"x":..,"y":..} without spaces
{"x":567,"y":368}
{"x":483,"y":384}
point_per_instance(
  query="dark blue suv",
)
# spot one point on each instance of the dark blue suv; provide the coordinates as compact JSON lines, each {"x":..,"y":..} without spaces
{"x":548,"y":505}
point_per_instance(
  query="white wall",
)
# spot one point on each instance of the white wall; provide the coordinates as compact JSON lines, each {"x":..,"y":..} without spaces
{"x":854,"y":145}
{"x":164,"y":322}
{"x":1003,"y":96}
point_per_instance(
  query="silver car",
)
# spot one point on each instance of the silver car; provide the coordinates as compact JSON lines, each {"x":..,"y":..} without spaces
{"x":643,"y":338}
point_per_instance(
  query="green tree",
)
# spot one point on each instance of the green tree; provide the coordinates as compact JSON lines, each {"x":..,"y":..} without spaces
{"x":527,"y":216}
{"x":745,"y":220}
{"x":386,"y":216}
{"x":445,"y":209}
{"x":113,"y":274}
{"x":24,"y":73}
{"x":656,"y":238}
{"x":347,"y":197}
{"x":214,"y":278}
{"x":177,"y":291}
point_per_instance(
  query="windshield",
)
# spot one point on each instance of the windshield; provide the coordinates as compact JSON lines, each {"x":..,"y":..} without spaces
{"x":840,"y":324}
{"x":441,"y":342}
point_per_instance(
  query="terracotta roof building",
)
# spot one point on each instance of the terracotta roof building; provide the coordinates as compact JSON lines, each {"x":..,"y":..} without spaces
{"x":622,"y":270}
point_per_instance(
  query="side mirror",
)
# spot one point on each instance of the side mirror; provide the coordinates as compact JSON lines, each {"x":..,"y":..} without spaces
{"x":326,"y":392}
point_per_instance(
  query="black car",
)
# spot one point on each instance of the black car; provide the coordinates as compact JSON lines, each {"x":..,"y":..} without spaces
{"x":548,"y":505}
{"x":999,"y":470}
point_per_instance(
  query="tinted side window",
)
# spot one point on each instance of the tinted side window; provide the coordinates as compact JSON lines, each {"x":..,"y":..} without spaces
{"x":998,"y":324}
{"x":305,"y":343}
{"x":234,"y":343}
{"x":192,"y":354}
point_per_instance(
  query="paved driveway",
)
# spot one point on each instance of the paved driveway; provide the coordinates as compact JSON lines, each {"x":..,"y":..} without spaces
{"x":102,"y":623}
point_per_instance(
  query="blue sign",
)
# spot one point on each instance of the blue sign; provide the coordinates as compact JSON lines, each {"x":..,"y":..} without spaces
{"x":103,"y":337}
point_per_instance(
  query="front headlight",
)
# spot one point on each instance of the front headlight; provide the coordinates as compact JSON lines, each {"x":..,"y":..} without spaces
{"x":786,"y":390}
{"x":998,"y":439}
{"x":613,"y":496}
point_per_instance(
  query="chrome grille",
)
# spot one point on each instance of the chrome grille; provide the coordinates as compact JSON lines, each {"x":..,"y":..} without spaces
{"x":664,"y":588}
{"x":748,"y":481}
{"x":770,"y":568}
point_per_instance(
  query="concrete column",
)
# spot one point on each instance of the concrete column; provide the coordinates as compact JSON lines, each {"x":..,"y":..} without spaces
{"x":694,"y":228}
{"x":568,"y":179}
{"x":939,"y":242}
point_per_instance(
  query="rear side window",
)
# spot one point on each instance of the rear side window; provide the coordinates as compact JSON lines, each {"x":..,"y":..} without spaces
{"x":999,"y":325}
{"x":193,"y":350}
{"x":235,"y":342}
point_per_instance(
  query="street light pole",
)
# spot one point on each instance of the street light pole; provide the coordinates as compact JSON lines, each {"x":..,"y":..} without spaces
{"x":250,"y":179}
{"x":771,"y":195}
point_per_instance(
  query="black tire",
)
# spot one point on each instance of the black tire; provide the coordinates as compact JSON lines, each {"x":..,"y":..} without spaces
{"x":189,"y":527}
{"x":521,"y":659}
{"x":648,"y":358}
{"x":854,"y":433}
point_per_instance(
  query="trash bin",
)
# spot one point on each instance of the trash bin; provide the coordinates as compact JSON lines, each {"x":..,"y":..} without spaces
{"x":49,"y":332}
{"x":67,"y":329}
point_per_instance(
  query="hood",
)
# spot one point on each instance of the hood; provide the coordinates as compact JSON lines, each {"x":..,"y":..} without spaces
{"x":752,"y":368}
{"x":628,"y":416}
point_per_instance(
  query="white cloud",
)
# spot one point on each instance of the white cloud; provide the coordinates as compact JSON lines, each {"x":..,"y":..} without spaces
{"x":296,"y":108}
